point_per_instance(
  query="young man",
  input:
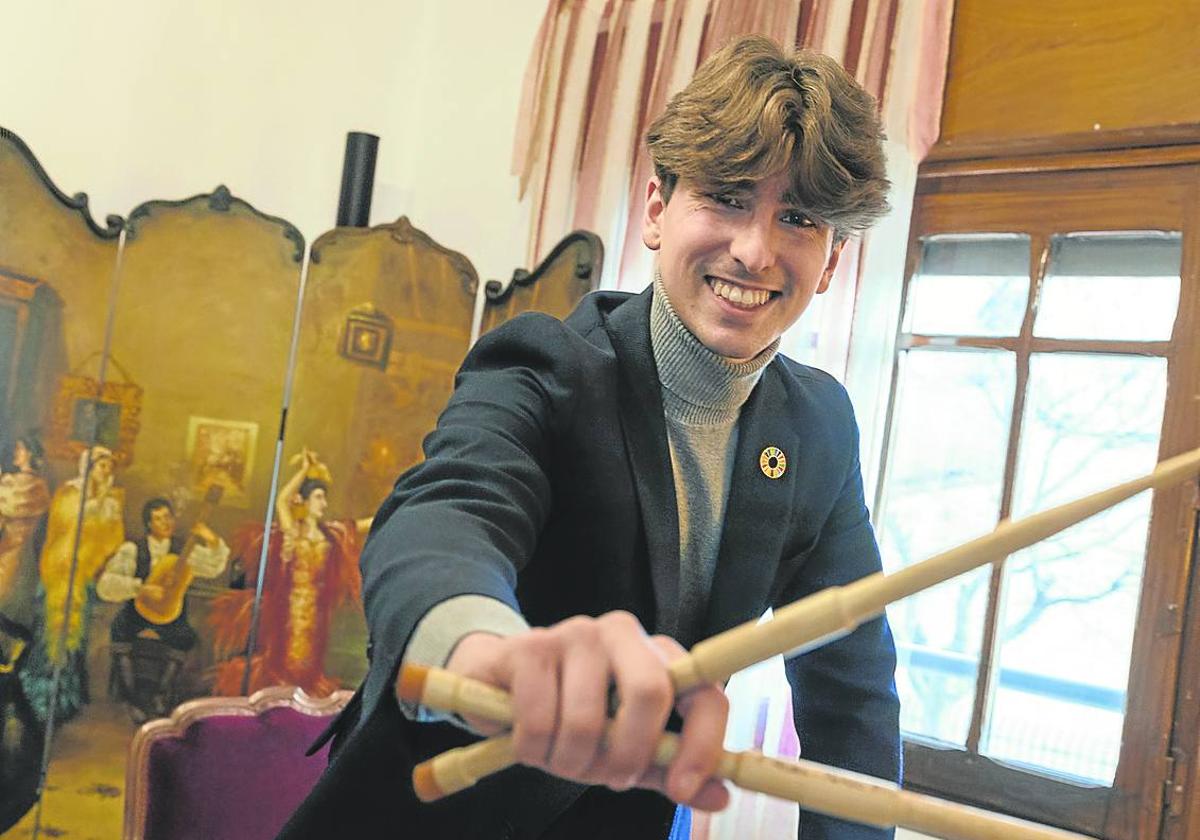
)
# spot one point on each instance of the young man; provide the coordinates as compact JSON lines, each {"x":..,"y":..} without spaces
{"x":127,"y":573}
{"x":650,"y":464}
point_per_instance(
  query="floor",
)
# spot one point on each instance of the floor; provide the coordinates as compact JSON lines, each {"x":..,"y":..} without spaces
{"x":85,"y":791}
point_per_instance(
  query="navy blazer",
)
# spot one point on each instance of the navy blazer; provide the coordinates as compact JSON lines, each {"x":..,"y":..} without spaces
{"x":548,"y":486}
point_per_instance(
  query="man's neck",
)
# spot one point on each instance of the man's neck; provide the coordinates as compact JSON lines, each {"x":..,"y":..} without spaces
{"x":699,"y":385}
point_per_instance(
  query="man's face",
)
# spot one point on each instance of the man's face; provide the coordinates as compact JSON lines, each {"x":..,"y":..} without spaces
{"x":739,"y":267}
{"x":162,"y":523}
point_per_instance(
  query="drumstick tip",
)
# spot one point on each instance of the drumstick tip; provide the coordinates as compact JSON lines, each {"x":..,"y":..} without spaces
{"x":411,"y":684}
{"x":424,"y":783}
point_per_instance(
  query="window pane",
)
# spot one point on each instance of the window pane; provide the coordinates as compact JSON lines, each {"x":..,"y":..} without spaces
{"x":942,"y":488}
{"x":970,"y":285}
{"x":1122,"y":286}
{"x":1070,"y":602}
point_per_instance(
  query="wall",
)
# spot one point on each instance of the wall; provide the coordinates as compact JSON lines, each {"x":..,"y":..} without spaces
{"x":264,"y":97}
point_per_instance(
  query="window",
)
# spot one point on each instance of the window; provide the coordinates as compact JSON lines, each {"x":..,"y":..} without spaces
{"x":1046,"y":351}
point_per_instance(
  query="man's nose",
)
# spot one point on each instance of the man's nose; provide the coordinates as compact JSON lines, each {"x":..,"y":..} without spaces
{"x":754,"y":245}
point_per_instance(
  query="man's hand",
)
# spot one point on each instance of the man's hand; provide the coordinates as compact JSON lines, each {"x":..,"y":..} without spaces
{"x":559,"y":678}
{"x":205,"y":533}
{"x":151,"y":590}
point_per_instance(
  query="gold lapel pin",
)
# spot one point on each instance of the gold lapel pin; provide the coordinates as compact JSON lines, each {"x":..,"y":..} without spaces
{"x":773,"y":462}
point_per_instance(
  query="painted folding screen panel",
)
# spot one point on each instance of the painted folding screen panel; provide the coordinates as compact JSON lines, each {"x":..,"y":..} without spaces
{"x":203,"y":322}
{"x":386,"y":321}
{"x":555,"y":286}
{"x":56,"y":268}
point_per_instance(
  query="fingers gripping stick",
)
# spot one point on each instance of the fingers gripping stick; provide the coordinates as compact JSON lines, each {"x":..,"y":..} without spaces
{"x":838,"y":793}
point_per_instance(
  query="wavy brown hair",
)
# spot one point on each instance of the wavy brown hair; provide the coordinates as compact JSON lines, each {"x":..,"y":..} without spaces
{"x":753,"y":111}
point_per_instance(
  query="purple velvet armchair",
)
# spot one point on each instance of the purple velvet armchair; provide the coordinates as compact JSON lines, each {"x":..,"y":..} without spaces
{"x":226,"y":768}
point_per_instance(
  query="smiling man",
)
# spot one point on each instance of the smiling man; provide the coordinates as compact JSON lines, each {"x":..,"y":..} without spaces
{"x":604,"y":492}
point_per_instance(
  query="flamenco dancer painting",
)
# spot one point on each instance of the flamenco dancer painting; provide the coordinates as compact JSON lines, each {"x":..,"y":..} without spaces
{"x":311,"y":569}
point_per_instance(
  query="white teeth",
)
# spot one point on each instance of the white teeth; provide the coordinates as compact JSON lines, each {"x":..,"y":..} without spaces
{"x":745,"y":298}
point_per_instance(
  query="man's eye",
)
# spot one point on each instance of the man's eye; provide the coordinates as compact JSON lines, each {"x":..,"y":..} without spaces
{"x":798,"y":219}
{"x":727,"y":200}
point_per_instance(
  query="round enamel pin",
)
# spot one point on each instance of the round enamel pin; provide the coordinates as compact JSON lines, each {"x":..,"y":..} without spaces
{"x":773,"y":462}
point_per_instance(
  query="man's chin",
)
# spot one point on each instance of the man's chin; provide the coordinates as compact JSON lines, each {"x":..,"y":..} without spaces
{"x":735,"y":350}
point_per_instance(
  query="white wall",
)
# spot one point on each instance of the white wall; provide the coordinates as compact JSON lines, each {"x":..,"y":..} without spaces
{"x":150,"y":99}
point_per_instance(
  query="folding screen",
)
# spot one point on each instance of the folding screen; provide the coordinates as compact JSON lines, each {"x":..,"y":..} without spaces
{"x":164,"y":352}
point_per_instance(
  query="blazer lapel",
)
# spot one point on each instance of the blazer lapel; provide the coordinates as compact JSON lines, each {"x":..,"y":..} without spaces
{"x":645,"y":433}
{"x":758,"y":512}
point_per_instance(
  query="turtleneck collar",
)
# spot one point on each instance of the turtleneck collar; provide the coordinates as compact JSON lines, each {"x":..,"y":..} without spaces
{"x":699,"y":386}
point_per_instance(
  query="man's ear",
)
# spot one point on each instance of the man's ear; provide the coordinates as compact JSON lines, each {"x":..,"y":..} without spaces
{"x":835,"y":253}
{"x":652,"y":216}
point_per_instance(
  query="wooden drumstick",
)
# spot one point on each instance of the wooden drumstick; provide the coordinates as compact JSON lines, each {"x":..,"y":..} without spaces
{"x":838,"y":793}
{"x":834,"y":612}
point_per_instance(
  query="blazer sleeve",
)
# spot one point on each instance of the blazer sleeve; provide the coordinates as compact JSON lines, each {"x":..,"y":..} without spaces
{"x":843,"y":693}
{"x":467,"y":519}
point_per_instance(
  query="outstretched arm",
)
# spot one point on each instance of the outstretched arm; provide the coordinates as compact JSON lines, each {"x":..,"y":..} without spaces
{"x":466,"y":520}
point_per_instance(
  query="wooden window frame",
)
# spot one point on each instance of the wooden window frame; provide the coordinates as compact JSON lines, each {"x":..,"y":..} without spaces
{"x":1140,"y":189}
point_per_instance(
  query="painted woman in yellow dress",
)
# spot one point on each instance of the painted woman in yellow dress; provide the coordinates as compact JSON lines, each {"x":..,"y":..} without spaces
{"x":64,"y":606}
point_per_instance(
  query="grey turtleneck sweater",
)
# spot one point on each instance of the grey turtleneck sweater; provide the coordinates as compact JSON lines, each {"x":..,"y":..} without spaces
{"x":703,"y":394}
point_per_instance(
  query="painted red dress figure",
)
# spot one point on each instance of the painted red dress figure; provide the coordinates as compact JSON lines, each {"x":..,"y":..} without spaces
{"x":311,"y":569}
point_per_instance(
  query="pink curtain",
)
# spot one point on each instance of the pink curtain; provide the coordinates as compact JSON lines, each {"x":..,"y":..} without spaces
{"x":599,"y":72}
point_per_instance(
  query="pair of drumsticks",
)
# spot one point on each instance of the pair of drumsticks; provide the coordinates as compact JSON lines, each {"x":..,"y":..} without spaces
{"x":796,"y":628}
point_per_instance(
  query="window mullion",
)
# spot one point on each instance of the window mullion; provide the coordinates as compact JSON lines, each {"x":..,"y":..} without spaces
{"x":985,"y":682}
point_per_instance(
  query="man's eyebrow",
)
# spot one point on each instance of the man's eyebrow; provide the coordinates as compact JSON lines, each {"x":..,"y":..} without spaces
{"x":793,"y":199}
{"x":734,"y":187}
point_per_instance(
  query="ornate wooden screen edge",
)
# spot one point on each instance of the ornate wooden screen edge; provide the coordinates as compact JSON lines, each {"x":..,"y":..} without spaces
{"x":77,"y":202}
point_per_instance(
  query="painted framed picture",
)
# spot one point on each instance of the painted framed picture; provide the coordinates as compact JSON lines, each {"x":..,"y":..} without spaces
{"x":86,"y":411}
{"x":221,"y":452}
{"x":367,"y":337}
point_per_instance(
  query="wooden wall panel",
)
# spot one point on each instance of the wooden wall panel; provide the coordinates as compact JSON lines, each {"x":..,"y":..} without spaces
{"x":1095,"y":74}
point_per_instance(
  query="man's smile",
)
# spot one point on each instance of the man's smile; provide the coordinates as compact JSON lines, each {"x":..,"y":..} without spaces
{"x":742,"y":297}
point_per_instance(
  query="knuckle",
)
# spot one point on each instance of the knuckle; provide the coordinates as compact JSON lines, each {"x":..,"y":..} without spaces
{"x":579,"y":629}
{"x":538,"y":643}
{"x":649,"y":691}
{"x":622,"y":619}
